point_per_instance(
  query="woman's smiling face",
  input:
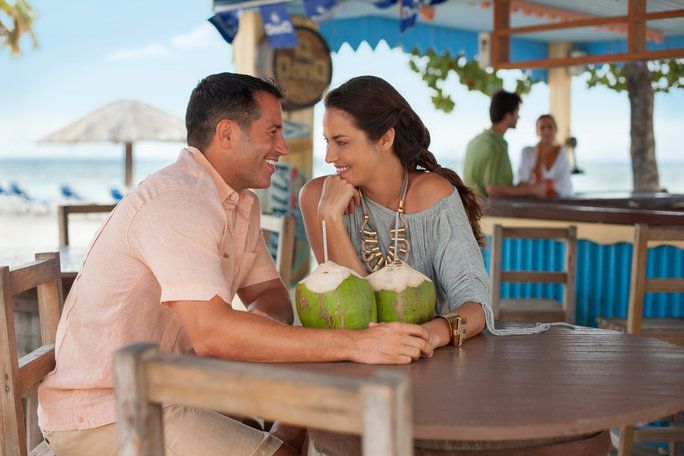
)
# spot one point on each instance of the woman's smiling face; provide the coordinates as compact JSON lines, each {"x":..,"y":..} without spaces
{"x":348,"y":148}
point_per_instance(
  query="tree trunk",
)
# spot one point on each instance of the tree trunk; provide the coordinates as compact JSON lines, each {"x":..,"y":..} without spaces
{"x":644,"y":167}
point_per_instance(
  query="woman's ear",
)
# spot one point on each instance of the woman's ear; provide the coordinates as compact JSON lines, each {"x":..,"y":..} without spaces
{"x":387,"y":140}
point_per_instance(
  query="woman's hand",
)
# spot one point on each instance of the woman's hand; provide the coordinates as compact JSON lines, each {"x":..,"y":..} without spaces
{"x":338,"y":197}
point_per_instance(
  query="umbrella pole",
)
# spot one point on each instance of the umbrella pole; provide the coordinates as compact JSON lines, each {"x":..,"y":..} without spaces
{"x":128,"y":165}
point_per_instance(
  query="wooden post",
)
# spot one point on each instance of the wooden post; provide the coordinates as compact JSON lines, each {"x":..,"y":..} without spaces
{"x":49,"y":302}
{"x":560,"y":91}
{"x":501,"y":42}
{"x":638,"y":279}
{"x":139,"y":422}
{"x":495,"y":255}
{"x":11,"y":413}
{"x":128,"y":165}
{"x":63,"y":225}
{"x":384,"y":407}
{"x":569,"y":288}
{"x":636,"y":26}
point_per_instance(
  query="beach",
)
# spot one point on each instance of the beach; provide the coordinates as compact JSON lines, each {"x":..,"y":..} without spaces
{"x":34,"y":228}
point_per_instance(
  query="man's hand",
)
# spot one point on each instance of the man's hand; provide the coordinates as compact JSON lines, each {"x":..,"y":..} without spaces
{"x":390,"y":343}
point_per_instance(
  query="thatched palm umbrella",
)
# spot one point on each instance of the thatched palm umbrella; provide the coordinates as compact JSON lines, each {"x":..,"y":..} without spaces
{"x":122,"y":122}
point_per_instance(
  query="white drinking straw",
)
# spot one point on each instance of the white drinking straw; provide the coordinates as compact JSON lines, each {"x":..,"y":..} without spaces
{"x":325,"y":242}
{"x":396,"y":237}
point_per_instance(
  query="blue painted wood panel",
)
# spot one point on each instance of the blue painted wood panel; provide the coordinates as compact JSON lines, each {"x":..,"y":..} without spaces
{"x":602,"y":276}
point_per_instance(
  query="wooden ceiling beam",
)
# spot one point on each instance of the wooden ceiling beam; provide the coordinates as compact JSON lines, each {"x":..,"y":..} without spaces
{"x":587,"y":59}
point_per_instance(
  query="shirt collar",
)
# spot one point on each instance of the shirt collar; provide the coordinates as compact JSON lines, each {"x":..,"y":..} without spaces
{"x":228,"y":196}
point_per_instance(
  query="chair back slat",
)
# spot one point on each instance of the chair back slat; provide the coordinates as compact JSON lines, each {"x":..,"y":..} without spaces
{"x":21,"y":377}
{"x":284,"y":227}
{"x":145,"y":379}
{"x":29,"y":276}
{"x":34,"y":366}
{"x":533,"y":277}
{"x":536,"y":232}
{"x":664,"y":285}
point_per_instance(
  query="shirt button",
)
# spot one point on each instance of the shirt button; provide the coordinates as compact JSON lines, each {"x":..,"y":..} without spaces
{"x":233,"y":197}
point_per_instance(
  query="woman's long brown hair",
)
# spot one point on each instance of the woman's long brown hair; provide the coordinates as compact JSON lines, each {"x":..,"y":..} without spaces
{"x":376,"y":107}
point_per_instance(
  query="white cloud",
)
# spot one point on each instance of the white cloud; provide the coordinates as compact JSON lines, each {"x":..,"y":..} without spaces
{"x":149,"y":51}
{"x":201,"y":36}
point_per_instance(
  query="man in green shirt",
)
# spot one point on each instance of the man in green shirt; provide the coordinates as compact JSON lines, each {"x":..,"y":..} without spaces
{"x":487,"y":167}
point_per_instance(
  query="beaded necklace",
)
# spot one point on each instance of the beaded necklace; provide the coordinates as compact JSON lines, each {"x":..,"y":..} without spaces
{"x":370,"y":248}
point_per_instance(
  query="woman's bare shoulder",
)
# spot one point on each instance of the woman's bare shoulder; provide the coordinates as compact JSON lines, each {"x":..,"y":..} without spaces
{"x":312,"y":190}
{"x":426,"y":190}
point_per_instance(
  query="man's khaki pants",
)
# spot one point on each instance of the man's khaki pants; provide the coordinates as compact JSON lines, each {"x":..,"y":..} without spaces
{"x":187,"y":432}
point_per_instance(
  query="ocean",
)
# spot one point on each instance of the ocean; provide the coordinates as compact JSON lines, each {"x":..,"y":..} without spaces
{"x":93,"y":179}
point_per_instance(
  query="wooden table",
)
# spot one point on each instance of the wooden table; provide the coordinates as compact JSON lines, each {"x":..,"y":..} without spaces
{"x":563,"y":384}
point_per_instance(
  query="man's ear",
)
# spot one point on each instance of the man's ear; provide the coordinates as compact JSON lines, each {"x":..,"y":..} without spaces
{"x":226,"y":132}
{"x":387,"y":140}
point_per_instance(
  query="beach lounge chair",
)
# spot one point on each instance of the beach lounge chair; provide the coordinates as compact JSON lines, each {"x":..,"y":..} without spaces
{"x":116,"y":193}
{"x":69,"y":193}
{"x":378,"y":407}
{"x":21,"y":434}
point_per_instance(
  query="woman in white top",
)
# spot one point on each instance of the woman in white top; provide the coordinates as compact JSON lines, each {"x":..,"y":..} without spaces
{"x":546,"y":161}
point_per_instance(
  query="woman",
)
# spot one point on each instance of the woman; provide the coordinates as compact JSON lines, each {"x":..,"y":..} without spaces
{"x":546,"y":161}
{"x":379,"y":147}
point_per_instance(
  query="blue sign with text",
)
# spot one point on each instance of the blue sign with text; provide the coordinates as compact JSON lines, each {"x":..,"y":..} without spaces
{"x":278,"y":26}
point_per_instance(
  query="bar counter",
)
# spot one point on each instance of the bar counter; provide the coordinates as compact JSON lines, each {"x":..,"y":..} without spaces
{"x":614,"y":208}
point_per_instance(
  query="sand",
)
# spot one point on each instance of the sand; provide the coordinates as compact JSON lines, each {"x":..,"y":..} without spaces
{"x":23,"y":234}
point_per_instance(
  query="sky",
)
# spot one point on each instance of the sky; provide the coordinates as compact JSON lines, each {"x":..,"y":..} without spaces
{"x":93,"y":52}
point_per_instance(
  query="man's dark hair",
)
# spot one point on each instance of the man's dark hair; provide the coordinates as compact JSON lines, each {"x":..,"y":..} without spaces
{"x":224,"y":96}
{"x":503,"y":103}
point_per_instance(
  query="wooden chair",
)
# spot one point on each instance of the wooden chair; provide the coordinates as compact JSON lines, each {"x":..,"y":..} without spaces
{"x":284,"y":227}
{"x":534,"y":310}
{"x":669,"y":329}
{"x":21,"y":377}
{"x":63,"y":212}
{"x":378,"y":407}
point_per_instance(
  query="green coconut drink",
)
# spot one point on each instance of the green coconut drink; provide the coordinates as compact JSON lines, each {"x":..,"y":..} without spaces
{"x":334,"y":296}
{"x":403,"y":294}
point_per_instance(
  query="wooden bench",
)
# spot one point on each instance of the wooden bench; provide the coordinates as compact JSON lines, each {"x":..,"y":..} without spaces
{"x":20,"y":433}
{"x":379,"y":407}
{"x":534,"y":309}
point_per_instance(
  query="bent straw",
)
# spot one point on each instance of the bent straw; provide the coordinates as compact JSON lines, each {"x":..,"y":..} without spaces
{"x":325,"y":242}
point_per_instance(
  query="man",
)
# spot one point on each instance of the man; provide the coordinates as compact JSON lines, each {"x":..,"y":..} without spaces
{"x":487,"y":166}
{"x":165,"y":266}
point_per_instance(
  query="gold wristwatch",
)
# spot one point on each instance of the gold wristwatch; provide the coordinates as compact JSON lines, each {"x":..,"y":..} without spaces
{"x":457,"y":328}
